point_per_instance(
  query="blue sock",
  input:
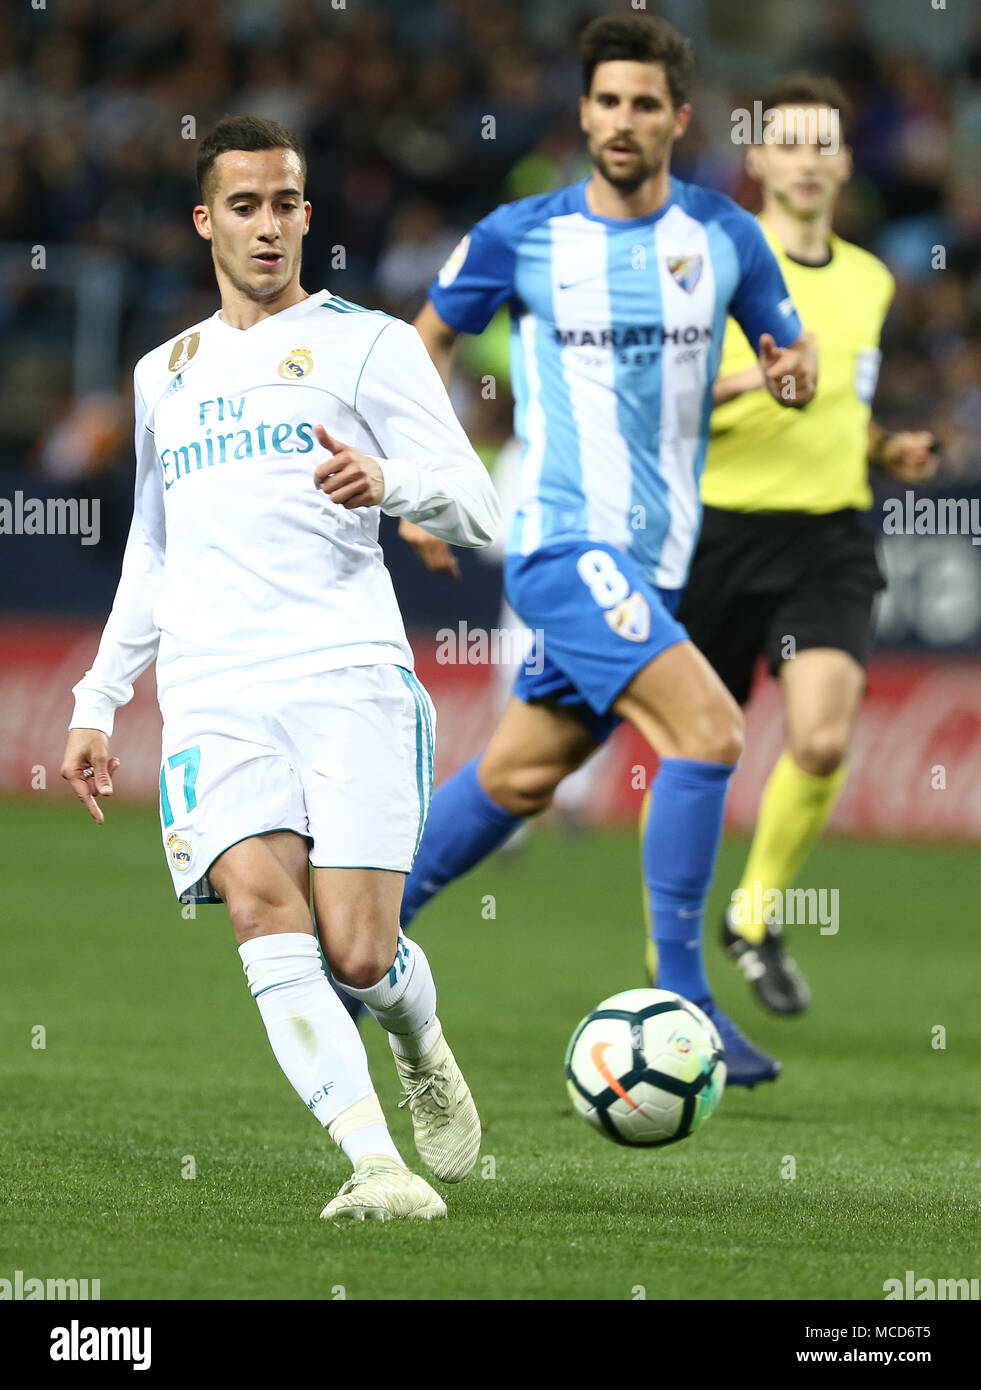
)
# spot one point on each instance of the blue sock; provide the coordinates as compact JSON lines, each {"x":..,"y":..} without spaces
{"x":464,"y":825}
{"x":680,"y":845}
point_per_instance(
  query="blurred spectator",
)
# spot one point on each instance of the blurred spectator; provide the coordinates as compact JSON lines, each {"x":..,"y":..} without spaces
{"x":420,"y":116}
{"x":418,"y":246}
{"x":84,"y":439}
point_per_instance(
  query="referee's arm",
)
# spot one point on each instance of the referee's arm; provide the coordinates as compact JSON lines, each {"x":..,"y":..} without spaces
{"x":911,"y":456}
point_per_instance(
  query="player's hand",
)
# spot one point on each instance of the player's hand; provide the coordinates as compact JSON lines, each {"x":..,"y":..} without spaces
{"x":434,"y":553}
{"x":88,"y":768}
{"x":730,"y":388}
{"x":790,"y":373}
{"x":348,"y":477}
{"x":910,"y":455}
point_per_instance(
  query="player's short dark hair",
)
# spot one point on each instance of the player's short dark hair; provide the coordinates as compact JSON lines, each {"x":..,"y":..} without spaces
{"x":638,"y":39}
{"x":242,"y":133}
{"x":808,"y":89}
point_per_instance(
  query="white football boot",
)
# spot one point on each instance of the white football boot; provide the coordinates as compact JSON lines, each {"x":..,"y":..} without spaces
{"x":380,"y":1189}
{"x":445,"y":1122}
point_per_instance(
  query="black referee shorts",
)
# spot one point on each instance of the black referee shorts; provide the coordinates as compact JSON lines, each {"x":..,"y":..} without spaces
{"x":778,"y":583}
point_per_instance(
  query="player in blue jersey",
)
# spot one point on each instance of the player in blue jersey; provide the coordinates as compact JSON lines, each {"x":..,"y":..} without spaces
{"x":618,"y":289}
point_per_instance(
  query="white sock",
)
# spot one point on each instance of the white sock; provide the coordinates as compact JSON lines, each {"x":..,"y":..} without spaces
{"x":361,"y":1130}
{"x":404,"y":1001}
{"x":311,"y":1033}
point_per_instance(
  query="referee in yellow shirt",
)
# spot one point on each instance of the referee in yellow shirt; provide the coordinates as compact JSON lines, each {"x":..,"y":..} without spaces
{"x":784,"y":565}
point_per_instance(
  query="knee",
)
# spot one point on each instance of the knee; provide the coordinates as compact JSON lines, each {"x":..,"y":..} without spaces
{"x":254,"y":915}
{"x":361,"y":965}
{"x":715,"y":733}
{"x":821,"y":751}
{"x":524,"y":791}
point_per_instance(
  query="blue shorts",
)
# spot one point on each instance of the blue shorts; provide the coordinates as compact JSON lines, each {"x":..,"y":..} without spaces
{"x":597,"y":623}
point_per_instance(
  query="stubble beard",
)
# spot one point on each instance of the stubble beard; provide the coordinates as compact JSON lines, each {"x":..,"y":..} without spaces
{"x":626,"y":183}
{"x":258,"y":293}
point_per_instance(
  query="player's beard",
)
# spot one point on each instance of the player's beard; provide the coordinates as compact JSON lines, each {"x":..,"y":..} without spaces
{"x":627,"y":183}
{"x":263,"y":291}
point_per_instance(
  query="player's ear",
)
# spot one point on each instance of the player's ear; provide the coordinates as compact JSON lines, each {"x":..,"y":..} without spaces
{"x":202,"y":221}
{"x":307,"y":210}
{"x":753,"y":166}
{"x":582,"y":114}
{"x":681,"y":118}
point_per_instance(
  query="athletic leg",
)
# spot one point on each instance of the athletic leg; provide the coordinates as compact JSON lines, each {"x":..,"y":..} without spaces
{"x":263,"y":881}
{"x":680,"y":706}
{"x":370,"y":959}
{"x":822,"y":696}
{"x":533,"y":747}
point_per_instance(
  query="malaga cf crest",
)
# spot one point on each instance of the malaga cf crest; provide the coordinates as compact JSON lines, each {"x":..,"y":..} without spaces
{"x":631,"y":617}
{"x":685,"y":271}
{"x":296,"y":364}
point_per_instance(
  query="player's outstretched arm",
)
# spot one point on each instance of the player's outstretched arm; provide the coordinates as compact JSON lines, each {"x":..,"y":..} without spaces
{"x":790,"y":373}
{"x":130,"y":637}
{"x":88,"y":768}
{"x":765,"y":312}
{"x":730,"y":388}
{"x":430,"y":473}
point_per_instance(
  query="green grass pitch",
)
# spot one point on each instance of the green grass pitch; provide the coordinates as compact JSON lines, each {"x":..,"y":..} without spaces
{"x":155,"y":1052}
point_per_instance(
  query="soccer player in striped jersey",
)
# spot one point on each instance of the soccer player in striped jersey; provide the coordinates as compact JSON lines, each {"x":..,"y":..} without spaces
{"x":618,"y":288}
{"x":297,"y":742}
{"x":784,"y":565}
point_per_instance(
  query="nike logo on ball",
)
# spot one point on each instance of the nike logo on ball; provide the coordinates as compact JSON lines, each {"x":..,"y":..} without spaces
{"x":597,"y":1052}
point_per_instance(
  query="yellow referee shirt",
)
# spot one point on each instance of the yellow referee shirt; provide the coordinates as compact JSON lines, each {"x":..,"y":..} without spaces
{"x":765,"y":457}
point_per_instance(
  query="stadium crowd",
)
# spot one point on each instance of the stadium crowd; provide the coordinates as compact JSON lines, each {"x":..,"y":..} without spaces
{"x":419,"y":116}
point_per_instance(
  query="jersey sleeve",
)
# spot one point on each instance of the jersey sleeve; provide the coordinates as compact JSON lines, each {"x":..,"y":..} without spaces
{"x":129,"y":639}
{"x":761,"y":302}
{"x":432,"y":475}
{"x":478,"y":277}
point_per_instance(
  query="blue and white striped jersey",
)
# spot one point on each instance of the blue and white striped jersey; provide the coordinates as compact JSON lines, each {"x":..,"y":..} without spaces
{"x":616,"y":334}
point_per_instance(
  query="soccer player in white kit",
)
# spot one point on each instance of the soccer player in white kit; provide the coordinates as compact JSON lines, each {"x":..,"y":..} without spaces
{"x":297,"y":742}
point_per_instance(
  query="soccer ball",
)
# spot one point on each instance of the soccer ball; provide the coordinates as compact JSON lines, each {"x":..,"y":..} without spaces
{"x":646,"y":1067}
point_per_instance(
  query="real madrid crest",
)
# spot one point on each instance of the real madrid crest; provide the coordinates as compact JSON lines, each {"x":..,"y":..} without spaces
{"x":180,"y":852}
{"x":184,"y":350}
{"x":296,"y":364}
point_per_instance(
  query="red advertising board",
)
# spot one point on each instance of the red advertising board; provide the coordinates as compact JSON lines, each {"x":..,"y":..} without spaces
{"x":915,"y":766}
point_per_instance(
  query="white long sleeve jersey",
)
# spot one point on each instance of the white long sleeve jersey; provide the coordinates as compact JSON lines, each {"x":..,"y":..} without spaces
{"x":234,"y":558}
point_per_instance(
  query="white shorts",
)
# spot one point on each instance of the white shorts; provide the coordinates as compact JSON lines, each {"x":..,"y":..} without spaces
{"x":345,"y":759}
